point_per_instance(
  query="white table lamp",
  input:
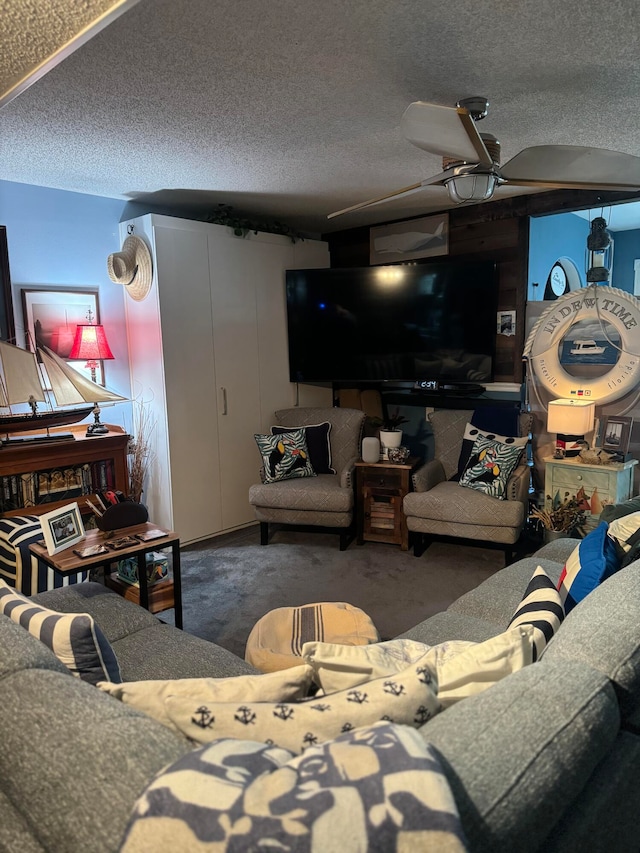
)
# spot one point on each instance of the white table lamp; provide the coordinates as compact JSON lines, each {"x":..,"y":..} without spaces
{"x":570,"y":420}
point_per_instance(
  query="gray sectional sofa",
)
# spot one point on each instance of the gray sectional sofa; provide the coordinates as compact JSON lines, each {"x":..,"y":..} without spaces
{"x":546,"y":760}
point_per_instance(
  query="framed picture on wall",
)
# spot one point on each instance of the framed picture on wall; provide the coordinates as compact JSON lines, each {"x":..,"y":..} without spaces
{"x":7,"y":328}
{"x":426,"y":237}
{"x":51,"y":315}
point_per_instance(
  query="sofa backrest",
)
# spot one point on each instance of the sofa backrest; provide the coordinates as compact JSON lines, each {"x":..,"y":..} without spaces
{"x":603,"y":631}
{"x":346,"y":429}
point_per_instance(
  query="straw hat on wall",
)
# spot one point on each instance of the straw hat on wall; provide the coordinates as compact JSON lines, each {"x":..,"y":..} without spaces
{"x":132,"y":267}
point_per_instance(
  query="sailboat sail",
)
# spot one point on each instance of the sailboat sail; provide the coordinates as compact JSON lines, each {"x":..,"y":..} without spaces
{"x":21,"y":378}
{"x":21,"y":382}
{"x":70,"y":387}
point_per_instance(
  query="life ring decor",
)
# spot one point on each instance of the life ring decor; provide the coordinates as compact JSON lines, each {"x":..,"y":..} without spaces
{"x":596,"y":304}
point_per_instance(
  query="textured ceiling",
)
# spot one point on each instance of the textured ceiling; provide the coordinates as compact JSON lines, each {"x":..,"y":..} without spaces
{"x":291,"y":108}
{"x":36,"y":36}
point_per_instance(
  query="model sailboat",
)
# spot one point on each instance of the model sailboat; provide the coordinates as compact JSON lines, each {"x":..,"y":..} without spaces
{"x":22,"y":381}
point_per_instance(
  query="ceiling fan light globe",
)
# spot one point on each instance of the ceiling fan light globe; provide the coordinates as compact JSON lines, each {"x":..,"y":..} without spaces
{"x":464,"y":188}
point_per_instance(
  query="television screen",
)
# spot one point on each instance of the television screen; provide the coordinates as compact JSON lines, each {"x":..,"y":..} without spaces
{"x":426,"y":321}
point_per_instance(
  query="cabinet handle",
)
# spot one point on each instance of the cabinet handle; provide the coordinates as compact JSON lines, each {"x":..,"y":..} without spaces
{"x":222,"y":401}
{"x":579,"y":477}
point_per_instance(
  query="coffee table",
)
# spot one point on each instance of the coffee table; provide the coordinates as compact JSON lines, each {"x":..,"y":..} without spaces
{"x":159,"y":596}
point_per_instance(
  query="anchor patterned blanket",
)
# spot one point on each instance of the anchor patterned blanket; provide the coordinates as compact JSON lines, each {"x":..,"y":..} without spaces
{"x":379,"y":788}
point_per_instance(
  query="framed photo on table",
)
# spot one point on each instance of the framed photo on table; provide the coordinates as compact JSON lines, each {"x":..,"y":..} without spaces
{"x":50,"y":316}
{"x":62,"y":528}
{"x":616,"y":434}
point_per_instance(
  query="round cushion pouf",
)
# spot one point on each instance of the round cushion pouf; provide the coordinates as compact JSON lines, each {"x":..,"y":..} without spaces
{"x":276,"y":640}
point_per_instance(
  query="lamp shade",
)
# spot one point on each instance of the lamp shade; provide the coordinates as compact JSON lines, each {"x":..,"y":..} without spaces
{"x":571,"y":417}
{"x":90,"y":344}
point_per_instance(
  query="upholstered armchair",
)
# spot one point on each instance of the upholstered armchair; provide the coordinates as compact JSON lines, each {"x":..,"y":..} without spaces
{"x":438,"y":506}
{"x":324,"y":501}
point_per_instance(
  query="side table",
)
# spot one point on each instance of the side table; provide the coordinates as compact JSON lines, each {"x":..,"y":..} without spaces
{"x":380,"y":489}
{"x":159,"y":596}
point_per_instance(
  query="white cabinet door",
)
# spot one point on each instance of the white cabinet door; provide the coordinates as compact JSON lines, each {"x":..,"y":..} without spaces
{"x":187,"y":342}
{"x":236,"y":271}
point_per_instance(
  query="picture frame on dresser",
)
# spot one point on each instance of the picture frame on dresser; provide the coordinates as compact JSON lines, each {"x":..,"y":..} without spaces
{"x":616,"y":434}
{"x":50,"y":316}
{"x":62,"y":528}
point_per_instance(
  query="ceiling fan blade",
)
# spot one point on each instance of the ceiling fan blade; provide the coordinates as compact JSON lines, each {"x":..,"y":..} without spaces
{"x":573,"y":167}
{"x":412,"y":188}
{"x":448,"y":131}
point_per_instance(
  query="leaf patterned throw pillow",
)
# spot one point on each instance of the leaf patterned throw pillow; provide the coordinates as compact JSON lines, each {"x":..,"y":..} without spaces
{"x":285,"y":456}
{"x":490,"y":465}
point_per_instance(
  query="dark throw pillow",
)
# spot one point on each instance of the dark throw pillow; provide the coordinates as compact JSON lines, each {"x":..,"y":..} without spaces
{"x":317,"y":436}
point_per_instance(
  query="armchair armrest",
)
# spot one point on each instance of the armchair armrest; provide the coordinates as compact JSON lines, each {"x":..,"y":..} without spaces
{"x":346,"y":475}
{"x":518,"y":484}
{"x":428,"y":476}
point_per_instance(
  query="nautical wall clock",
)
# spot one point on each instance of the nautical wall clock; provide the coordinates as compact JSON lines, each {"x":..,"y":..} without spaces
{"x":587,"y":344}
{"x":557,"y":282}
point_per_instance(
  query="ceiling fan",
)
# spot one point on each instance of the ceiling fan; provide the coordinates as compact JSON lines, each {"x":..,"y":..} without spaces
{"x":471,"y":160}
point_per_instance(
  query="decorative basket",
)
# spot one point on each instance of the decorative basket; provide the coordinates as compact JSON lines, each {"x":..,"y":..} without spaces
{"x":157,"y":568}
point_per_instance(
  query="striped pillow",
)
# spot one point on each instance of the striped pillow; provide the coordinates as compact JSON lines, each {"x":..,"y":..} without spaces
{"x":541,"y":607}
{"x":74,"y":638}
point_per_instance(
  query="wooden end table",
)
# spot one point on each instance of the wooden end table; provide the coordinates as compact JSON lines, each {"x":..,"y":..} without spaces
{"x":159,"y":596}
{"x":380,"y":489}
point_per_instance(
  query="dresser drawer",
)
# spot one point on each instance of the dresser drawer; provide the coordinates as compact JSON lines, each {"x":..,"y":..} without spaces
{"x":382,"y":479}
{"x":574,"y":478}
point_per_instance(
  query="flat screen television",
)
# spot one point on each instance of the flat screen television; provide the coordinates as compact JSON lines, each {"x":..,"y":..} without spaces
{"x":409,"y":322}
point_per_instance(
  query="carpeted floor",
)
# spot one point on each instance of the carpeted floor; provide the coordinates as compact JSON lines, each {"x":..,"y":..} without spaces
{"x":231,"y":581}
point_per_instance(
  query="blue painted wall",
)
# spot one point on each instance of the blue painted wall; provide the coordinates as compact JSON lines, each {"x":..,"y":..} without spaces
{"x":562,"y":235}
{"x":626,"y":248}
{"x":60,"y":238}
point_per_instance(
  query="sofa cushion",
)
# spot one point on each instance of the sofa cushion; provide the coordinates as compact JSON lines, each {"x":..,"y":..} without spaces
{"x":19,"y":650}
{"x":116,"y":616}
{"x":490,"y":465}
{"x":162,"y":651}
{"x":540,"y":607}
{"x":591,"y":562}
{"x":606,"y":817}
{"x":497,"y":598}
{"x":602,"y":631}
{"x":76,"y":640}
{"x":449,"y":625}
{"x":318,"y":441}
{"x":74,"y":760}
{"x":518,"y":754}
{"x":320,"y":494}
{"x":472,"y":507}
{"x":379,"y":788}
{"x":285,"y":457}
